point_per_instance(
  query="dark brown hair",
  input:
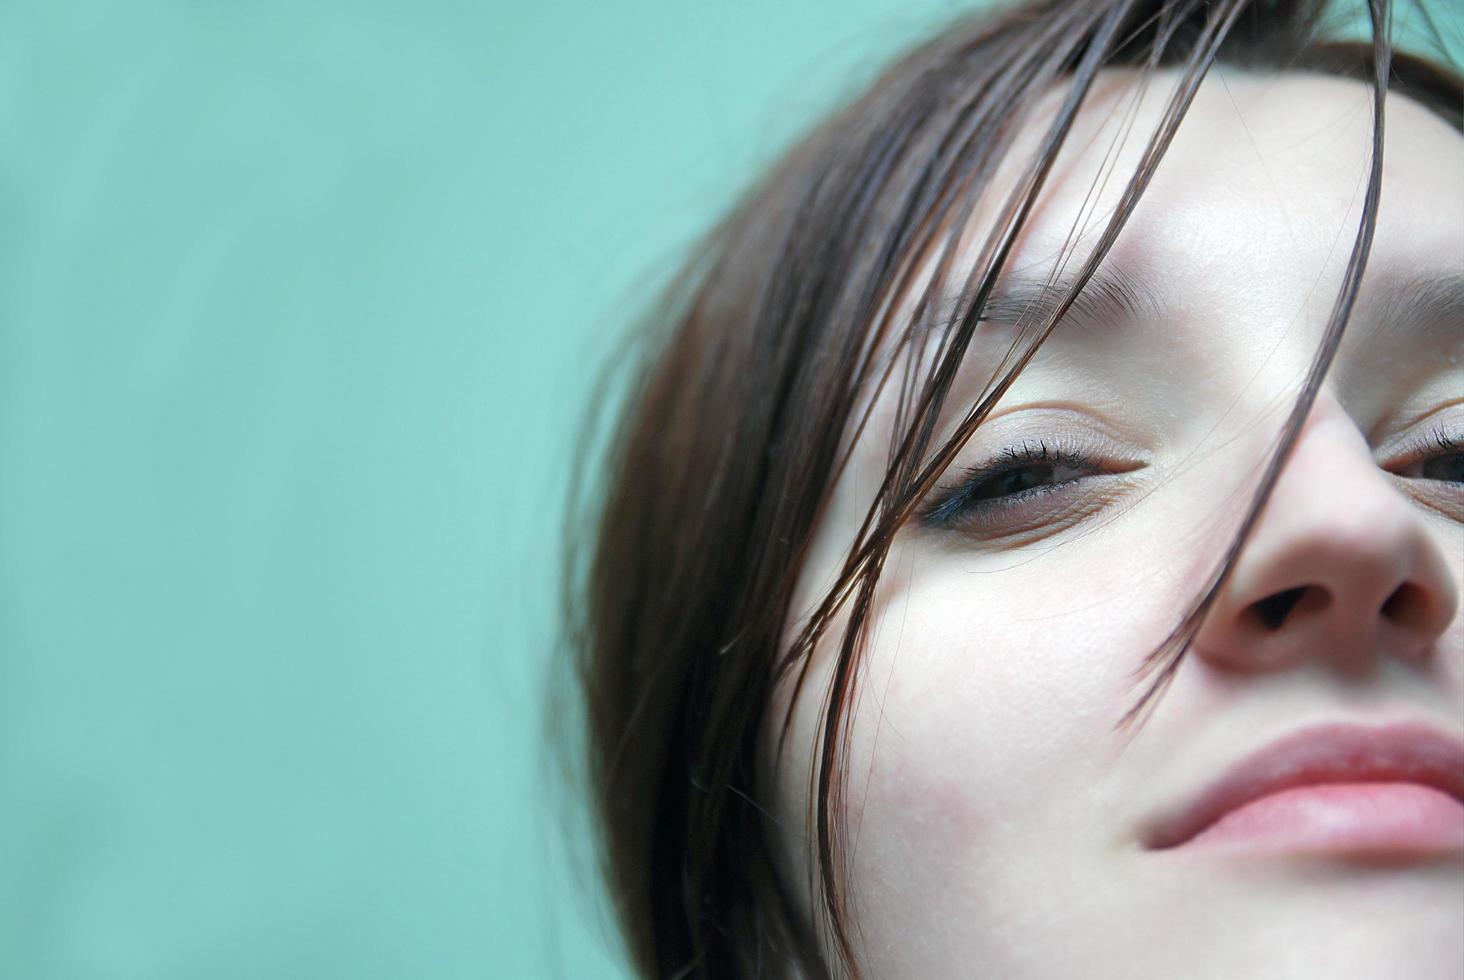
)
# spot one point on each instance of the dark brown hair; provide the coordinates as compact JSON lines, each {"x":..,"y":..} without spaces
{"x":747,"y":383}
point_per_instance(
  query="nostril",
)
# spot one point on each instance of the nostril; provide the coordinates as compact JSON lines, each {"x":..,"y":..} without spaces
{"x":1274,"y":609}
{"x":1407,"y":606}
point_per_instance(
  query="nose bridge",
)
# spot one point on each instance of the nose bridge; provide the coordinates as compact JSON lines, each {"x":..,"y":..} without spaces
{"x":1341,"y":564}
{"x":1336,"y":510}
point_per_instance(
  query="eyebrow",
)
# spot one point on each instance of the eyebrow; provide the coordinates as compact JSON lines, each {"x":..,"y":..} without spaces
{"x":1419,"y":303}
{"x":1111,"y":295}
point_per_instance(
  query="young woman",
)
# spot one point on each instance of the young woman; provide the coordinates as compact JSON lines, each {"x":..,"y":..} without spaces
{"x":1100,"y":351}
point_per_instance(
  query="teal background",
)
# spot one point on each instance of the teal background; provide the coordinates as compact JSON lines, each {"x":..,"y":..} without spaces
{"x":299,"y":306}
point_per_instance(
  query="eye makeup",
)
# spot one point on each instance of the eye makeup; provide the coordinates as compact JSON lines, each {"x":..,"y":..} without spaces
{"x":1019,"y":487}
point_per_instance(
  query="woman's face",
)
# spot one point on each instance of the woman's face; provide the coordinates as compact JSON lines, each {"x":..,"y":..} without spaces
{"x":999,"y":824}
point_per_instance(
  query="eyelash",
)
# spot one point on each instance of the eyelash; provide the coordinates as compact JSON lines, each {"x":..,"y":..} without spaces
{"x":1436,"y":444}
{"x":962,"y":503}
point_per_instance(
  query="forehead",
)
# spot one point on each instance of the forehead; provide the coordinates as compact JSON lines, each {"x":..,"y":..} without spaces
{"x":1238,"y":244}
{"x":1261,"y":190}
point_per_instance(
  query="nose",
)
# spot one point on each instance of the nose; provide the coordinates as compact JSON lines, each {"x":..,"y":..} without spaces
{"x":1340,"y":567}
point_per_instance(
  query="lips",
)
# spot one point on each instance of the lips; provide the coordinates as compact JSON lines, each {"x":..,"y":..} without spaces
{"x":1407,"y":762}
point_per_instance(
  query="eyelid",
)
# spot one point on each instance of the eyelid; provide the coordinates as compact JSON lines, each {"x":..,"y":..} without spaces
{"x":1065,"y":425}
{"x":1423,"y":438}
{"x":1437,"y":441}
{"x":1037,"y":516}
{"x":1003,"y":516}
{"x":1010,"y":460}
{"x":1054,"y":449}
{"x":1411,"y":422}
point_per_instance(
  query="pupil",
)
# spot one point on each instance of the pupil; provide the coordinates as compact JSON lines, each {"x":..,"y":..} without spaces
{"x":1447,"y":468}
{"x":1023,"y":479}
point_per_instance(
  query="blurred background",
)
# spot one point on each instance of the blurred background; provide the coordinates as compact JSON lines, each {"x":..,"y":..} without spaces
{"x":300,"y":305}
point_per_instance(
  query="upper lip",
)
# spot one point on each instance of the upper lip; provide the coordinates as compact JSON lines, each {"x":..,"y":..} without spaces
{"x":1325,"y":754}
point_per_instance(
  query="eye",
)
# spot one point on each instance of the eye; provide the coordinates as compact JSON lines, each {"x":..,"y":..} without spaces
{"x":1448,"y":468}
{"x":1431,"y":469}
{"x":1438,"y":456}
{"x":1019,"y":486}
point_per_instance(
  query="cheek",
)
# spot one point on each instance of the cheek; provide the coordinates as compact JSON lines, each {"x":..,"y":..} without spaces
{"x":988,"y":696}
{"x":976,"y":774}
{"x":993,"y":683}
{"x":1007,"y":654}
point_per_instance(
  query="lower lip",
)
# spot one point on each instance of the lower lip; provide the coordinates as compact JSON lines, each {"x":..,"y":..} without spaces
{"x":1383,"y":819}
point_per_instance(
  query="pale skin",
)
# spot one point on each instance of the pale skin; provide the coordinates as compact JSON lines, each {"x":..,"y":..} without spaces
{"x":997,"y":815}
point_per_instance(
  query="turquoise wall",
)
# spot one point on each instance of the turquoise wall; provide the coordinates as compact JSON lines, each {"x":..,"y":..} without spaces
{"x":299,"y":303}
